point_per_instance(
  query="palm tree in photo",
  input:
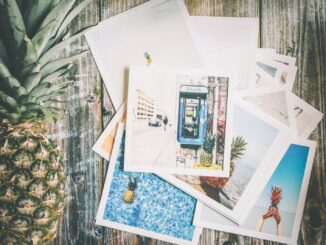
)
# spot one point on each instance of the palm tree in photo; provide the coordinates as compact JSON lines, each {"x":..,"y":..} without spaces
{"x":213,"y":185}
{"x":272,"y":212}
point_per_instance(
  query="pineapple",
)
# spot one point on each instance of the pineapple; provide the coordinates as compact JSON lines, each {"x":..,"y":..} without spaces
{"x":206,"y":156}
{"x":276,"y":196}
{"x":129,"y":194}
{"x":272,"y":212}
{"x":214,"y":184}
{"x":32,"y":171}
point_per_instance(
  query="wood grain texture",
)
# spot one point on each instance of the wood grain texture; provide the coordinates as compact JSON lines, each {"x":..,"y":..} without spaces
{"x":298,"y":28}
{"x":77,"y":132}
{"x":294,"y":27}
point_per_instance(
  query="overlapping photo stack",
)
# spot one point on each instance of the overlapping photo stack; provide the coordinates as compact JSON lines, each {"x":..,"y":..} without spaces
{"x":206,"y":133}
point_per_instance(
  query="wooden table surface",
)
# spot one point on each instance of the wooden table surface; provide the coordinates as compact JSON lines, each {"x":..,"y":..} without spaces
{"x":292,"y":27}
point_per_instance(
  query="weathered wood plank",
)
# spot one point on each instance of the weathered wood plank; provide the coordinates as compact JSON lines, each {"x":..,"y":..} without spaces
{"x":298,"y":27}
{"x":77,"y":132}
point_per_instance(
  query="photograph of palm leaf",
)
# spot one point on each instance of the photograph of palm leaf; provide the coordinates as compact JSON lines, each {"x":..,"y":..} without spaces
{"x":178,"y":121}
{"x":276,"y":214}
{"x":249,"y":158}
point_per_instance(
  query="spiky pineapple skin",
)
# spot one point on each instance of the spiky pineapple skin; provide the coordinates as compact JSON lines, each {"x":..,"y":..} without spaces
{"x":32,"y":184}
{"x":129,"y":196}
{"x":206,"y":158}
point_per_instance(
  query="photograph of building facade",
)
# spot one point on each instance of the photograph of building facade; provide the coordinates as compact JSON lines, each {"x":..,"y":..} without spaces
{"x":176,"y":123}
{"x":144,"y":109}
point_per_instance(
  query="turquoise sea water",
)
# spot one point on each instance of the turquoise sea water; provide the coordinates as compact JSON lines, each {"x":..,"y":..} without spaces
{"x":158,"y":206}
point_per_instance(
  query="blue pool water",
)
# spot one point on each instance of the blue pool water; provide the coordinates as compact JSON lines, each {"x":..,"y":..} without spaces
{"x":158,"y":206}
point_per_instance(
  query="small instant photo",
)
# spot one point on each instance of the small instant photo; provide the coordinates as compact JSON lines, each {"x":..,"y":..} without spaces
{"x":307,"y":117}
{"x":104,"y":144}
{"x":288,"y":75}
{"x":276,"y":101}
{"x":157,"y":32}
{"x":144,"y":204}
{"x":265,"y":51}
{"x":257,"y":140}
{"x":268,"y":72}
{"x":275,"y":69}
{"x":178,"y":121}
{"x":277,"y":212}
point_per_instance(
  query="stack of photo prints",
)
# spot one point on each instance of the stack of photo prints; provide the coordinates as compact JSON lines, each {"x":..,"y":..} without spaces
{"x":206,"y":133}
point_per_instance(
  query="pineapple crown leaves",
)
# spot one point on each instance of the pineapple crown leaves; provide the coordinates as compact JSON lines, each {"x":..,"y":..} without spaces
{"x":238,"y":147}
{"x":32,"y":33}
{"x":276,"y":195}
{"x":132,"y":185}
{"x":209,"y":143}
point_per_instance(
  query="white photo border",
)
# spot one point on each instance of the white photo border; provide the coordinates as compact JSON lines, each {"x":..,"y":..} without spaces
{"x":233,"y":21}
{"x":128,"y":166}
{"x":299,"y":211}
{"x":123,"y":227}
{"x":266,"y":168}
{"x":89,"y":36}
{"x":291,"y":68}
{"x":268,"y":90}
{"x":270,"y":59}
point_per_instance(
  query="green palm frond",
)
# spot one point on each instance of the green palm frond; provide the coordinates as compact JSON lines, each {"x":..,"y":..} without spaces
{"x":238,"y":147}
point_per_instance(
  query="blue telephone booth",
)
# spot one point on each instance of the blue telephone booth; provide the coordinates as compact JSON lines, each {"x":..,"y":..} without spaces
{"x":192,"y":115}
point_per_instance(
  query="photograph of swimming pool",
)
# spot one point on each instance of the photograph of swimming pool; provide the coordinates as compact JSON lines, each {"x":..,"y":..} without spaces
{"x":145,"y":204}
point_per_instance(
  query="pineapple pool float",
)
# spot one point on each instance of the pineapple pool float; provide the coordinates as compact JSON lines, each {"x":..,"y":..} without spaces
{"x":206,"y":156}
{"x":32,"y":172}
{"x":129,"y":194}
{"x":272,"y":212}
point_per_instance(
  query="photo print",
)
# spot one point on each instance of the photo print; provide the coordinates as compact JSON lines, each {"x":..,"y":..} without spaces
{"x":307,"y":117}
{"x":104,"y":144}
{"x":275,"y":101}
{"x":268,"y":72}
{"x":255,"y":140}
{"x":275,"y":69}
{"x":276,"y":214}
{"x":178,"y":121}
{"x":161,"y":34}
{"x":288,"y":75}
{"x":225,"y":52}
{"x":144,"y":204}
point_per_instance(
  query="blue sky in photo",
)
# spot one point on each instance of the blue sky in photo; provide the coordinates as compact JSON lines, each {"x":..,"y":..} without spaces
{"x":288,"y":175}
{"x":158,"y":206}
{"x":269,"y":69}
{"x":258,"y":134}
